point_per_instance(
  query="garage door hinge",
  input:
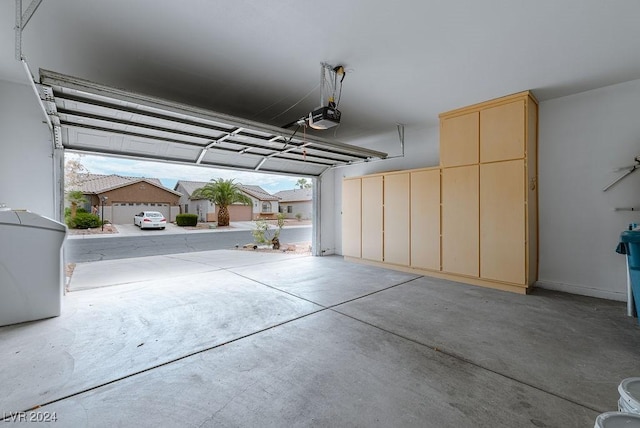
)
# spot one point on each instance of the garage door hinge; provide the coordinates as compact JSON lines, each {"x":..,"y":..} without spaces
{"x":57,"y":137}
{"x":49,"y":105}
{"x":45,"y":92}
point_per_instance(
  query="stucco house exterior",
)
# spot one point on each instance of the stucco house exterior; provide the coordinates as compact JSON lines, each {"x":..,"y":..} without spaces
{"x":119,"y":198}
{"x":296,"y":201}
{"x":263,"y":204}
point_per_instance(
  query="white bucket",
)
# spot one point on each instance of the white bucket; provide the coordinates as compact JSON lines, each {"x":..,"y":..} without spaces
{"x":623,"y":406}
{"x":617,"y":420}
{"x":629,"y":390}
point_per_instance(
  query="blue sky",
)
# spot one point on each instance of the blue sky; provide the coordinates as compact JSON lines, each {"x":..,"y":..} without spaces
{"x":169,"y":173}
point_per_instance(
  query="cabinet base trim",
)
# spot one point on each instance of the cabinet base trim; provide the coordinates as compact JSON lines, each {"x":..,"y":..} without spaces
{"x":514,"y":288}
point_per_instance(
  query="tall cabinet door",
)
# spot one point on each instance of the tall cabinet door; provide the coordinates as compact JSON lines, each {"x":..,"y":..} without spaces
{"x":372,"y":200}
{"x":503,"y":221}
{"x":425,"y":219}
{"x":460,"y":223}
{"x":351,"y":218}
{"x":396,"y":219}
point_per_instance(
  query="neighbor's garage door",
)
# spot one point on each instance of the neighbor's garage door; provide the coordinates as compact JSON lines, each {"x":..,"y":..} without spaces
{"x":123,"y":212}
{"x":236,"y":213}
{"x":240,"y":212}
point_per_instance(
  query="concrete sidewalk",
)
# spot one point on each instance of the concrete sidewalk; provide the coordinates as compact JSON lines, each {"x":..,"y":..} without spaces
{"x":156,"y":268}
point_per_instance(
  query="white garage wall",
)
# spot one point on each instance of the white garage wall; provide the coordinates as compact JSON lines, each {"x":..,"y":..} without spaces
{"x":26,"y":152}
{"x":327,"y":223}
{"x":583,"y":139}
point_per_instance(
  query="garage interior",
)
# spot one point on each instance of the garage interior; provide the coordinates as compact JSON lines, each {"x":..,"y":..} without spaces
{"x":236,"y":338}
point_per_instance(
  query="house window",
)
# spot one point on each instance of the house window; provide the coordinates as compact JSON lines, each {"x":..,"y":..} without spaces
{"x":266,"y":207}
{"x":186,"y":208}
{"x":290,"y":209}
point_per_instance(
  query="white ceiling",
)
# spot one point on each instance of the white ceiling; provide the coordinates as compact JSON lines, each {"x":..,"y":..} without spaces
{"x":406,"y":60}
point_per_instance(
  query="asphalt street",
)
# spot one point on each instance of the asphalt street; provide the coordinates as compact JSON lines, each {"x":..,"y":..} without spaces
{"x":155,"y":243}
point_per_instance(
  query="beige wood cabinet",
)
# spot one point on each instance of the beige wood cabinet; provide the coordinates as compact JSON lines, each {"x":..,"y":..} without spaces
{"x":460,"y":249}
{"x":396,"y":218}
{"x":507,"y":202}
{"x":425,"y":219}
{"x":459,"y":139}
{"x":352,"y":218}
{"x":503,"y":221}
{"x":393,"y":218}
{"x":503,"y":132}
{"x":473,"y":219}
{"x":372,"y":222}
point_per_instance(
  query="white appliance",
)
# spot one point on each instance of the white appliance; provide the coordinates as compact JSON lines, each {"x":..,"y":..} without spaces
{"x":31,"y":266}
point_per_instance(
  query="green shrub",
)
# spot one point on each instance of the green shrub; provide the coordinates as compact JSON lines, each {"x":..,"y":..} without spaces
{"x":263,"y":234}
{"x":67,"y":211}
{"x":83,"y":221}
{"x":187,"y":219}
{"x":260,"y":233}
{"x":299,"y":216}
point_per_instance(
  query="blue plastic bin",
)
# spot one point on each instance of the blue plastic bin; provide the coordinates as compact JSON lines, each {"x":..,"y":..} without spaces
{"x":630,"y":245}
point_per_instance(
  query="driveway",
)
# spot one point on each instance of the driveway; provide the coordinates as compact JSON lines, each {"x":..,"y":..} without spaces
{"x":171,"y":229}
{"x":89,"y":248}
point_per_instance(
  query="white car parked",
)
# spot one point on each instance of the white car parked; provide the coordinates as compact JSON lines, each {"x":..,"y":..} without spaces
{"x":150,"y":219}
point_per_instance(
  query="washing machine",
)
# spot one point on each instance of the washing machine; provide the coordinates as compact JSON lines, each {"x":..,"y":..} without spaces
{"x":31,"y":266}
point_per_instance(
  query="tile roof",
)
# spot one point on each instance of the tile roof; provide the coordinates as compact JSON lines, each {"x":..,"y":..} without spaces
{"x":258,"y":192}
{"x":295,"y":195}
{"x":254,"y":191}
{"x":98,"y":183}
{"x":190,"y":186}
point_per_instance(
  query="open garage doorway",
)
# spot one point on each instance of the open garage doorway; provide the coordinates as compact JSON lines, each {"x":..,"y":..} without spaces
{"x":115,"y":189}
{"x":121,"y":126}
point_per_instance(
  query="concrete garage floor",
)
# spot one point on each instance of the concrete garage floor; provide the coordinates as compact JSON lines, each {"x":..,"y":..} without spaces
{"x":236,"y":338}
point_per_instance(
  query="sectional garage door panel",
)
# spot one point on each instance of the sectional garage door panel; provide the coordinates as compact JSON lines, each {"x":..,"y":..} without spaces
{"x":108,"y":143}
{"x":93,"y":118}
{"x":123,"y":212}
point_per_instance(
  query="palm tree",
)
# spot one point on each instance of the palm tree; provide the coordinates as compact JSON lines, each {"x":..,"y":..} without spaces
{"x":303,"y":183}
{"x":76,"y":198}
{"x":222,"y":193}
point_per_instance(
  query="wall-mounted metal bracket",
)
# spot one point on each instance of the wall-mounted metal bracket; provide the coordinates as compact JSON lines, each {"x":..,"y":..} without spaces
{"x":401,"y":136}
{"x":627,"y":170}
{"x":627,"y":209}
{"x":22,"y":19}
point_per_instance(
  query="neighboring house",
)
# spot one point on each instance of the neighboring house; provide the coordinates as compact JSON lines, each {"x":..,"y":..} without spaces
{"x":264,"y":204}
{"x":205,"y":210}
{"x":127,"y":196}
{"x":296,"y":201}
